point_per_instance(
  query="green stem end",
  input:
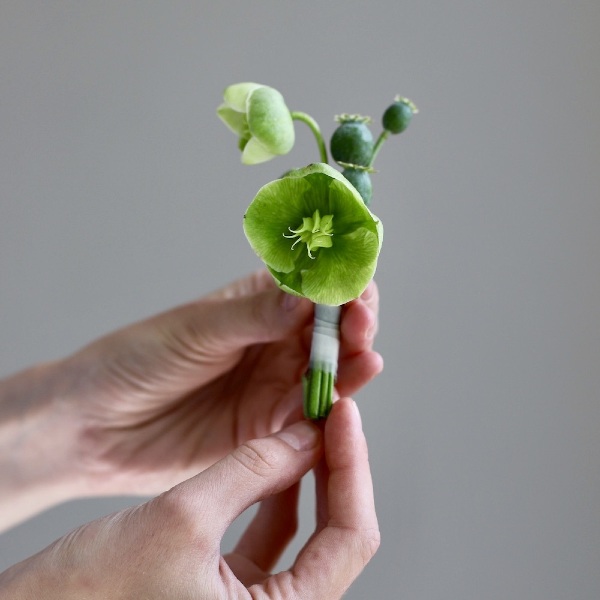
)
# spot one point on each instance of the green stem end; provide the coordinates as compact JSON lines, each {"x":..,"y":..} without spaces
{"x":318,"y":393}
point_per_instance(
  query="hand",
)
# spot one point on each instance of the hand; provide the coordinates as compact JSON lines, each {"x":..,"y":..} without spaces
{"x":159,"y":401}
{"x":170,"y":546}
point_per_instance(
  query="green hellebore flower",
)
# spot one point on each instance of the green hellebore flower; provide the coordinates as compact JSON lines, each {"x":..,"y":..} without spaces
{"x":315,"y":234}
{"x":258,"y":115}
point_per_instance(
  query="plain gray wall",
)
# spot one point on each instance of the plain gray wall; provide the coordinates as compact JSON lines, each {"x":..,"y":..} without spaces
{"x":119,"y":188}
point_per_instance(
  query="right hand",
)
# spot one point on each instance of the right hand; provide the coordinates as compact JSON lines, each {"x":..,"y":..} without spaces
{"x":169,"y":547}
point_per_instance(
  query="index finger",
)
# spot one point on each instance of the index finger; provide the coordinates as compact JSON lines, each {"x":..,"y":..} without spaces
{"x":359,"y":322}
{"x":336,"y":554}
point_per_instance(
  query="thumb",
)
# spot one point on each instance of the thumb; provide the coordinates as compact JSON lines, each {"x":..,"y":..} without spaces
{"x":263,"y":317}
{"x":254,"y":471}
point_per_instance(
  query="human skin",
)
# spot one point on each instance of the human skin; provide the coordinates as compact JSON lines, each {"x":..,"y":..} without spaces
{"x":159,"y":402}
{"x":194,"y":401}
{"x":153,"y":404}
{"x":169,"y":547}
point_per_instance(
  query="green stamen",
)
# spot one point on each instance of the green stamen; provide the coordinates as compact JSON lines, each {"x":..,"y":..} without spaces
{"x":315,"y":232}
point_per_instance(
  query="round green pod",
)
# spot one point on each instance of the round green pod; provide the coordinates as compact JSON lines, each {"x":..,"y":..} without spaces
{"x":397,"y":117}
{"x":361,"y":180}
{"x":352,"y":143}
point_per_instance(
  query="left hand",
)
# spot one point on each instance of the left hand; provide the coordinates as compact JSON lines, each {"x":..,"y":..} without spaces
{"x":161,"y":400}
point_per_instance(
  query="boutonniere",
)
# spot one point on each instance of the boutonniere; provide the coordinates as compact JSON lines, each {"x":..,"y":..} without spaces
{"x":313,"y":228}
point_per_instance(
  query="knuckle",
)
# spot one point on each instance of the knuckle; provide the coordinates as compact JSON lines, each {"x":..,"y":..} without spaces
{"x":175,"y":509}
{"x":368,"y":542}
{"x":363,"y":542}
{"x":256,"y":458}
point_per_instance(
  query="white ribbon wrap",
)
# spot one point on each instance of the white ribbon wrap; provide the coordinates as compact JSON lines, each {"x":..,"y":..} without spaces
{"x":326,"y":338}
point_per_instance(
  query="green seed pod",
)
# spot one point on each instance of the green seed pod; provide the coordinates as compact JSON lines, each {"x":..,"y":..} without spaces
{"x":361,"y":180}
{"x":352,"y":141}
{"x":397,"y":117}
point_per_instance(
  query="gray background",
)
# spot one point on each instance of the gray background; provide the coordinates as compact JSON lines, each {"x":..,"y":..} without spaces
{"x":119,"y":188}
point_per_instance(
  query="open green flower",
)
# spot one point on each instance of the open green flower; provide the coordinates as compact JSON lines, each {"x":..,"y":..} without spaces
{"x":315,"y":234}
{"x":258,"y":115}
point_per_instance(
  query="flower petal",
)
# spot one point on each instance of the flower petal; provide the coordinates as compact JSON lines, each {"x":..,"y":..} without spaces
{"x":270,"y":120}
{"x":236,"y":95}
{"x":254,"y":152}
{"x":344,"y":271}
{"x":235,"y":121}
{"x":334,"y":274}
{"x":277,"y":206}
{"x":339,"y":274}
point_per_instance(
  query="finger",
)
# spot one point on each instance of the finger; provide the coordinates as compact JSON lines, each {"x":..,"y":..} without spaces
{"x":254,"y":471}
{"x":256,"y":282}
{"x":264,"y":317}
{"x":244,"y":570}
{"x":208,"y":330}
{"x":371,"y":296}
{"x":350,"y":491}
{"x":321,"y":472}
{"x":359,"y":324}
{"x":271,"y":529}
{"x":336,"y":554}
{"x":356,"y":371}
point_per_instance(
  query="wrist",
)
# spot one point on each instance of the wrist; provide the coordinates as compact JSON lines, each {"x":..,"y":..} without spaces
{"x":37,"y":444}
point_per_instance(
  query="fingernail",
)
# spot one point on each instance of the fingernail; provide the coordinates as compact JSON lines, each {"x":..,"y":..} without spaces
{"x":302,"y":435}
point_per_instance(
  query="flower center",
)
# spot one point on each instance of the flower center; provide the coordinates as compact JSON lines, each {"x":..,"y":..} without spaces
{"x":315,"y":232}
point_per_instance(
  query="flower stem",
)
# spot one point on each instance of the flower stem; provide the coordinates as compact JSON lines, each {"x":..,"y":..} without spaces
{"x":322,"y":370}
{"x":320,"y":378}
{"x":314,"y":127}
{"x":382,"y":137}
